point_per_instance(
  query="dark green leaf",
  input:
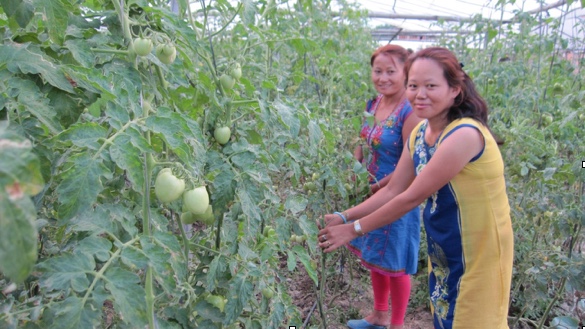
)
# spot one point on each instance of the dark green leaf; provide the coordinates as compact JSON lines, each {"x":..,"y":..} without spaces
{"x":22,"y":11}
{"x":81,"y":52}
{"x":56,"y":17}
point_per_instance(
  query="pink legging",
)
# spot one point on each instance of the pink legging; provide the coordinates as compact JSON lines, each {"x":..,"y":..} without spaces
{"x":395,"y":287}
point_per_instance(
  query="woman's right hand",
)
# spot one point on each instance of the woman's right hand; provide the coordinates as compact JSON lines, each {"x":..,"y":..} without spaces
{"x":330,"y":220}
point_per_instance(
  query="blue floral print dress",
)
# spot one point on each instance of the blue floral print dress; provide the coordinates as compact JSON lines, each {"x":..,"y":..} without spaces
{"x":391,"y":249}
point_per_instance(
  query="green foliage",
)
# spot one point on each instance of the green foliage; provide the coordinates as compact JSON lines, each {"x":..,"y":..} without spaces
{"x":86,"y":125}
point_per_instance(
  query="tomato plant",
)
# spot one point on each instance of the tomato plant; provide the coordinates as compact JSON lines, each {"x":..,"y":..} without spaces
{"x":87,"y":230}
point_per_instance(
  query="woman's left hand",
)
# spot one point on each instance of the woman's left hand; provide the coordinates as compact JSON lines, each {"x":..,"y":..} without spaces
{"x":333,"y":237}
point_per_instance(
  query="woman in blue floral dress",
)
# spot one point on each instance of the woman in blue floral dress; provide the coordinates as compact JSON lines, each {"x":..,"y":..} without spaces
{"x":391,"y":251}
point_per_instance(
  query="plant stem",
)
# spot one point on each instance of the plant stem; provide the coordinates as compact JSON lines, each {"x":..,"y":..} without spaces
{"x":149,"y":298}
{"x":100,"y":274}
{"x":110,"y":51}
{"x":228,"y":22}
{"x":185,"y":240}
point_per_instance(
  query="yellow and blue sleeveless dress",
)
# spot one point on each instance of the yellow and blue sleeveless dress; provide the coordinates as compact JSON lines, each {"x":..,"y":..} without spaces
{"x":469,"y":236}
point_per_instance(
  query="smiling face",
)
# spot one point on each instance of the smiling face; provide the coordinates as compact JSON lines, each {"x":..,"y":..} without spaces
{"x":388,"y":75}
{"x":428,"y":91}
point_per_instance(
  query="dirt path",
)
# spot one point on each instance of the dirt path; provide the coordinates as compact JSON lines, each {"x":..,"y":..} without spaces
{"x":344,"y":301}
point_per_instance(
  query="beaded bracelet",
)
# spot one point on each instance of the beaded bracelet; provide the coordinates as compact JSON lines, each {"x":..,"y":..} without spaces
{"x":342,"y":217}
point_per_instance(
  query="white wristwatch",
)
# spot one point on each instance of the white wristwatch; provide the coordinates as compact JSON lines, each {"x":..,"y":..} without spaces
{"x":358,"y":228}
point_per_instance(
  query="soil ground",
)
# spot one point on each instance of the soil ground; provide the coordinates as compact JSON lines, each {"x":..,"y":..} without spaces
{"x":348,"y":295}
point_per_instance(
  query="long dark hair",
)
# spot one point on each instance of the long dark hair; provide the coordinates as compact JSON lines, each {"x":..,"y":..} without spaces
{"x":469,"y":103}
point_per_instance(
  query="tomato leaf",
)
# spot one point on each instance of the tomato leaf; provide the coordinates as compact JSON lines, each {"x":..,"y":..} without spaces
{"x":18,"y":236}
{"x":84,"y":134}
{"x":129,"y":296}
{"x":208,"y":311}
{"x":305,"y":259}
{"x":129,"y":158}
{"x":176,"y":132}
{"x":34,"y":101}
{"x":249,"y":12}
{"x":240,"y":290}
{"x":96,"y":246}
{"x":296,"y":203}
{"x":28,"y":59}
{"x":80,"y":184}
{"x":66,"y":272}
{"x":291,"y":260}
{"x":216,"y":267}
{"x":22,"y":11}
{"x":72,"y":313}
{"x":19,"y":165}
{"x":250,"y":209}
{"x":55,"y":17}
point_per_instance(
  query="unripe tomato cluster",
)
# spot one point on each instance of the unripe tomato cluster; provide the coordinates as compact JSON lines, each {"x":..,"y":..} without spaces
{"x":196,"y":207}
{"x":165,"y":52}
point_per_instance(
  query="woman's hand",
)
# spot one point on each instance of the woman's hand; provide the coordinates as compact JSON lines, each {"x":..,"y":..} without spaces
{"x":331,"y":220}
{"x":335,"y":236}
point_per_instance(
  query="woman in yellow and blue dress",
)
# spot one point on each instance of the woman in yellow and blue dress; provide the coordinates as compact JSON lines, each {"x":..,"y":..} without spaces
{"x":452,"y":162}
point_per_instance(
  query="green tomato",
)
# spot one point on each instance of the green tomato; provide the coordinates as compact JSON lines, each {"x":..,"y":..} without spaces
{"x":187,"y":218}
{"x":236,"y":71}
{"x":310,"y":186}
{"x":315,"y":176}
{"x":196,"y":200}
{"x":206,"y":217}
{"x":222,"y":134}
{"x":166,"y":53}
{"x":547,"y":118}
{"x":167,"y":187}
{"x":217,"y":301}
{"x":268,"y":293}
{"x":142,"y":46}
{"x":227,"y":82}
{"x":269,"y":231}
